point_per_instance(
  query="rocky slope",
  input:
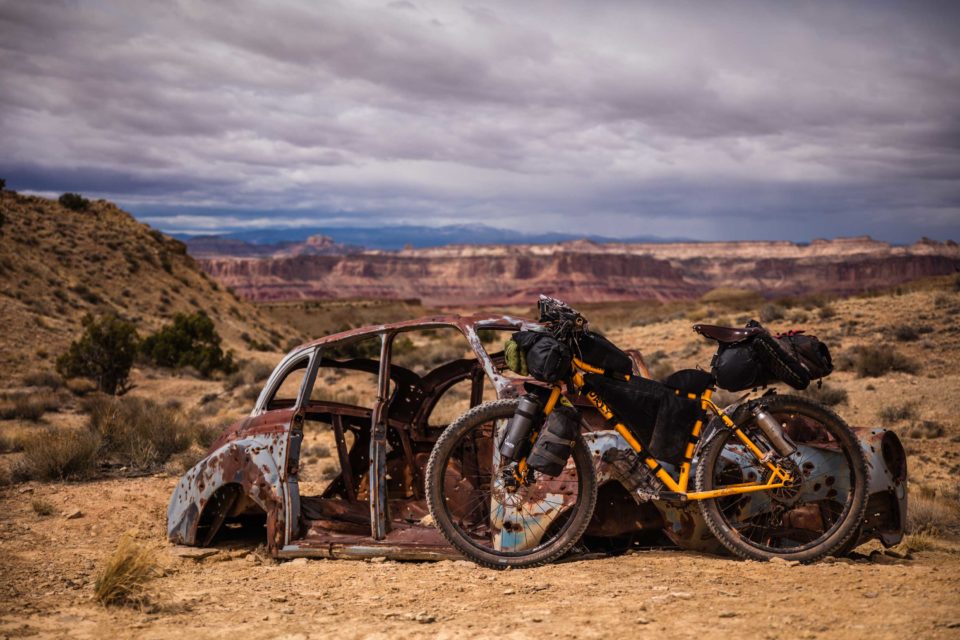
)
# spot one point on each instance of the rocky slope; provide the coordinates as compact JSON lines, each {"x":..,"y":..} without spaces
{"x":57,"y":265}
{"x":584,"y":271}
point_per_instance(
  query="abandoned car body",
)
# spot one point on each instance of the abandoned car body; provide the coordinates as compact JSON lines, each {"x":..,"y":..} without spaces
{"x":373,"y":501}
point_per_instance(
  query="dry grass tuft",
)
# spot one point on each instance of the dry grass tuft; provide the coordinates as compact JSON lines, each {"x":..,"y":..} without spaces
{"x":42,"y":507}
{"x":933,"y":510}
{"x":47,"y":379}
{"x":926,"y":429}
{"x":124,"y":579}
{"x":915,"y":542}
{"x":23,"y":406}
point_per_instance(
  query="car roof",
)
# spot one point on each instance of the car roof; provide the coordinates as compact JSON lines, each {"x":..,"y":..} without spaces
{"x":503,"y":322}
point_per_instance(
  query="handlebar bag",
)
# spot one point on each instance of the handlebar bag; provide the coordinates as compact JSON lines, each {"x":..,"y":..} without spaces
{"x":548,"y":359}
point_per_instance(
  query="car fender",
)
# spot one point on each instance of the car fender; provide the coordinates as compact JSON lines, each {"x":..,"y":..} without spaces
{"x":249,"y":463}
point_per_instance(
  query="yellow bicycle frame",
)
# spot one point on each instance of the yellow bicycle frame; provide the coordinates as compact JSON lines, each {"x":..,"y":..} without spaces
{"x":778,"y":476}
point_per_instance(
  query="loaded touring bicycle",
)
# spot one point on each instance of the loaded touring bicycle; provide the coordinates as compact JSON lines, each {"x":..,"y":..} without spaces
{"x":513,"y":483}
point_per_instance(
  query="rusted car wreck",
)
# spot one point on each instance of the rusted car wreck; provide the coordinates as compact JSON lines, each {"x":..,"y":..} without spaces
{"x":374,"y":505}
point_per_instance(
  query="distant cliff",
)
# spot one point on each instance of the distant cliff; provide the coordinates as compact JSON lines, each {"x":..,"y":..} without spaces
{"x":581,"y":270}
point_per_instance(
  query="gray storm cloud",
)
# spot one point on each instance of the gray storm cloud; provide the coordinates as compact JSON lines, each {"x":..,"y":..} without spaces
{"x":726,"y":119}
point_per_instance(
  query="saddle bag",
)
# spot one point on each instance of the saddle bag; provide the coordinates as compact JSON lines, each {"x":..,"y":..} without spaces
{"x":792,"y":358}
{"x":547,"y":359}
{"x":600,"y":352}
{"x":555,"y":443}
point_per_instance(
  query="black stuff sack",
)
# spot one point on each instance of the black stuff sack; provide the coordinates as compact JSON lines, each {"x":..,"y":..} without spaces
{"x":599,"y":352}
{"x":548,"y":359}
{"x":737,"y":367}
{"x":810,"y":351}
{"x":556,"y":441}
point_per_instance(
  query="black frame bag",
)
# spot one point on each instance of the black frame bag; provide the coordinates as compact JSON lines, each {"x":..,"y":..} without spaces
{"x":655,"y":415}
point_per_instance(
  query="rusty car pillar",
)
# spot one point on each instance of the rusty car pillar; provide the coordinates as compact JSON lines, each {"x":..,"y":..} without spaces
{"x":379,"y":518}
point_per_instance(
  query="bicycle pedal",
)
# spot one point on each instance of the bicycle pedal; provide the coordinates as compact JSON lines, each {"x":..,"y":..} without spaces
{"x":672,"y":496}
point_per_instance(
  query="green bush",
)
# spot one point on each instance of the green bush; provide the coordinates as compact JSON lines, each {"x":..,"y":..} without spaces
{"x":74,"y":201}
{"x":190,"y":341}
{"x":104,"y":353}
{"x":366,"y":348}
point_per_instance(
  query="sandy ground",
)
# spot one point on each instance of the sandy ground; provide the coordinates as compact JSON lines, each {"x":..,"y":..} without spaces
{"x":48,"y":566}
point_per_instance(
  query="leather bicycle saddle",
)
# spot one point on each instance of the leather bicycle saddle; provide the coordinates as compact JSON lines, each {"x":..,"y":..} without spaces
{"x":727,"y":335}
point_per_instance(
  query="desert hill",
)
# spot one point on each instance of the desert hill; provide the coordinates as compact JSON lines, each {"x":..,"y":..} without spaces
{"x":580,"y":271}
{"x":57,"y":265}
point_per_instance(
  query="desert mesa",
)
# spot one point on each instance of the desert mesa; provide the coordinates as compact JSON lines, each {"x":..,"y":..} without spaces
{"x":583,"y":270}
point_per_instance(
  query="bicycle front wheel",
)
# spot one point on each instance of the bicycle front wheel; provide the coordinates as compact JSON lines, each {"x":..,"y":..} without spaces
{"x":816,"y":514}
{"x":487,"y":516}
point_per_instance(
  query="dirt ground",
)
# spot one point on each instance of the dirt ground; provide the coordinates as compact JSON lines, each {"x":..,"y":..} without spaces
{"x":49,"y":565}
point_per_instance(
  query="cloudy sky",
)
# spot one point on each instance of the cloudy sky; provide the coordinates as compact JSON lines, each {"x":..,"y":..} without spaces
{"x":726,"y":120}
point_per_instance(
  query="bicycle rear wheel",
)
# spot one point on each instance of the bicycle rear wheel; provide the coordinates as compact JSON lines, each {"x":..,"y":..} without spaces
{"x":812,"y":517}
{"x":488,"y":517}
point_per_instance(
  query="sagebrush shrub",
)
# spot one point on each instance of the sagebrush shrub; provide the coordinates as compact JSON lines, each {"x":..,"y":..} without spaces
{"x":875,"y":361}
{"x":58,"y":454}
{"x":827,"y":394}
{"x":894,"y":413}
{"x":138,"y":433}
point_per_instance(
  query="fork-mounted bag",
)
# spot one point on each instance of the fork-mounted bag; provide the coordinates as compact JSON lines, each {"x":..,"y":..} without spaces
{"x":555,"y":443}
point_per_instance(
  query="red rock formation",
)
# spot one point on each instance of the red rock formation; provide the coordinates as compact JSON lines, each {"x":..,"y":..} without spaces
{"x":584,"y":271}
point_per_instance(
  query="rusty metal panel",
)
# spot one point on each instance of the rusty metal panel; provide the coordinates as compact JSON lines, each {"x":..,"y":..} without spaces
{"x":248,"y":462}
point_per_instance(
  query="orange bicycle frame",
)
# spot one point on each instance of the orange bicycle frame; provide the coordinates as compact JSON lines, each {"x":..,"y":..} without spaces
{"x":778,"y":476}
